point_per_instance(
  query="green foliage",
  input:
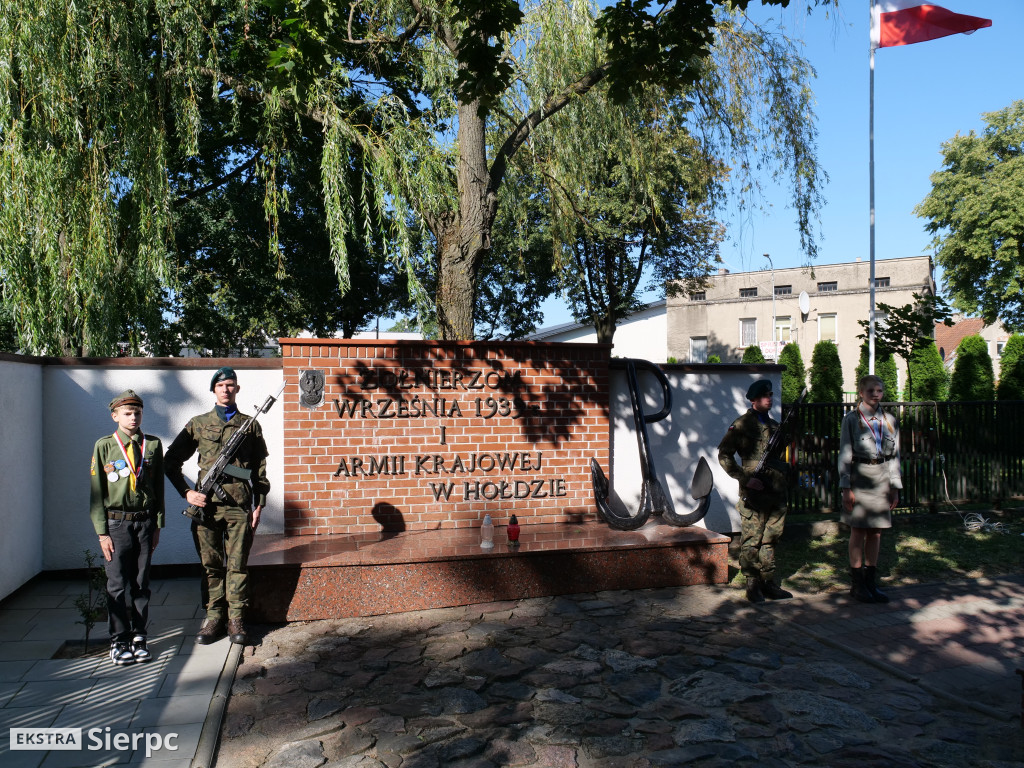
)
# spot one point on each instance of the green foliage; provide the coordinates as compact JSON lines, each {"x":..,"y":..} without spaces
{"x":672,"y":360}
{"x":974,"y":211}
{"x":432,"y":102}
{"x":91,"y":102}
{"x":91,"y":604}
{"x":928,"y":379}
{"x":972,"y":371}
{"x":714,"y":359}
{"x":752,"y":354}
{"x":1011,"y":369}
{"x":885,"y":368}
{"x":826,"y":374}
{"x":908,"y":327}
{"x":793,"y":377}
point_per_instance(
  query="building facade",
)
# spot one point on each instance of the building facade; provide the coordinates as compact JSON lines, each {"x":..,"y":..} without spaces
{"x":737,"y":309}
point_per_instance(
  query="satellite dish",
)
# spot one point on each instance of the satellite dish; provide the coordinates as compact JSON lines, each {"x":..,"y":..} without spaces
{"x":805,"y":303}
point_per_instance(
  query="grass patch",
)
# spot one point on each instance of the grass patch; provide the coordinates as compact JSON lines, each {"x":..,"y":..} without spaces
{"x":919,"y":548}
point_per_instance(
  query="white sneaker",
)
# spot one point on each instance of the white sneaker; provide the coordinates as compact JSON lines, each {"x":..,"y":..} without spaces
{"x":139,"y":649}
{"x":121,"y":653}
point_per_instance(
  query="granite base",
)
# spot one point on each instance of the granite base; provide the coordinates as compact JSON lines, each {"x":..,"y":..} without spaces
{"x":300,"y":578}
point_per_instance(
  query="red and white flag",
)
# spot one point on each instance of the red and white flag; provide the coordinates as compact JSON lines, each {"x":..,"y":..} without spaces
{"x":902,"y":22}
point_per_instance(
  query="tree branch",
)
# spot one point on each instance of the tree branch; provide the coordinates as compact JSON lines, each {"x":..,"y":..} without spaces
{"x":552,"y":105}
{"x":214,"y":184}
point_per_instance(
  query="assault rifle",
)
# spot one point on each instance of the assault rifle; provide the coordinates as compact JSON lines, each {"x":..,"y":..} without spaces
{"x":222,"y":467}
{"x":770,"y":459}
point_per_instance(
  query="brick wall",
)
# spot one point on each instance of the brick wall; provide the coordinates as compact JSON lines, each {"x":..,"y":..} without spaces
{"x":418,"y":435}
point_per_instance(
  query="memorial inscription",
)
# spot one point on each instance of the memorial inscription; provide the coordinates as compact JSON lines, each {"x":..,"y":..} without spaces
{"x":442,"y":433}
{"x":381,"y":403}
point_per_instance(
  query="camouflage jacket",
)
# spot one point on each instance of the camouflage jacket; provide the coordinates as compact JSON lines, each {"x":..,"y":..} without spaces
{"x":207,"y":434}
{"x":748,"y":437}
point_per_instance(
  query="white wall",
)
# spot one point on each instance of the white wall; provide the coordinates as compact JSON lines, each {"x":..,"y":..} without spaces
{"x":21,"y":470}
{"x":75,"y":415}
{"x":705,"y":401}
{"x":642,"y":335}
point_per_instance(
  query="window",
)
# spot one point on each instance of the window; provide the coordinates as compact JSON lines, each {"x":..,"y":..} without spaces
{"x":698,"y":296}
{"x":881,"y":282}
{"x":783,"y":290}
{"x":698,"y":349}
{"x":748,"y":293}
{"x":881,"y":320}
{"x":999,"y":348}
{"x":748,"y":331}
{"x":783,"y":329}
{"x":828,"y":287}
{"x":827,"y":328}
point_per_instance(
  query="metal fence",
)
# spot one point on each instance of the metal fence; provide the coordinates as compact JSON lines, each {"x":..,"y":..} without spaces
{"x":978,"y":446}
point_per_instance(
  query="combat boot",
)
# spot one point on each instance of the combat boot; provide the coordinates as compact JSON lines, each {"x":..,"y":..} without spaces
{"x":858,"y":590}
{"x":754,"y":594}
{"x":773,"y":591}
{"x":236,"y":631}
{"x":211,"y":631}
{"x":869,"y":584}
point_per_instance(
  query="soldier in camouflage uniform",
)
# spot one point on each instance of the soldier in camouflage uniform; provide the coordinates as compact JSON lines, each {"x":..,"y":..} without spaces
{"x":126,"y":504}
{"x":762,"y":504}
{"x":224,"y":545}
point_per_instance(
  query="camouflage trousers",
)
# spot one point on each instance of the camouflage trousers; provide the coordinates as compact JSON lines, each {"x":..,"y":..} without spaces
{"x":759,"y":530}
{"x":224,"y":552}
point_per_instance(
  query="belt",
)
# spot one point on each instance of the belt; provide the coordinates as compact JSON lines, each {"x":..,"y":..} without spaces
{"x":859,"y":460}
{"x":113,"y":514}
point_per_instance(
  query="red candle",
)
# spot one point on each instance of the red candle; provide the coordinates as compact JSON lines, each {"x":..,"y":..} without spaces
{"x":513,"y":529}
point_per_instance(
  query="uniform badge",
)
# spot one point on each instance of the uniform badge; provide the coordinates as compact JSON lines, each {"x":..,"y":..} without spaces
{"x":122,"y":468}
{"x":111,"y":473}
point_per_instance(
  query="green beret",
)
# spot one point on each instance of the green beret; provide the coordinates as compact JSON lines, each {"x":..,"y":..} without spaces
{"x":221,"y":375}
{"x":759,"y":388}
{"x":128,"y":397}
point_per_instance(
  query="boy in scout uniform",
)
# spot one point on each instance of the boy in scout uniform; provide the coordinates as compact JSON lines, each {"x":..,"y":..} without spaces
{"x":762,"y":504}
{"x":224,"y":543}
{"x":126,"y":503}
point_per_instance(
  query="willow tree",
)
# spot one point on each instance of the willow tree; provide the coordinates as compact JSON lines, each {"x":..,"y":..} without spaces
{"x":634,"y":185}
{"x":93,"y":96}
{"x":84,"y":199}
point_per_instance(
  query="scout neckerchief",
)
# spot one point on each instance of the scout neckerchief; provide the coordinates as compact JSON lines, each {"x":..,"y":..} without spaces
{"x":878,"y":415}
{"x":134,"y":473}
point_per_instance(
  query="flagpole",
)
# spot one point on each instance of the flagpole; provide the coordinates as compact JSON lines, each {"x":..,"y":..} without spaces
{"x":871,"y":195}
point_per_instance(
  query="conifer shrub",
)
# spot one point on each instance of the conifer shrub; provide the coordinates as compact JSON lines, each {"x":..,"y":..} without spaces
{"x":972,"y":372}
{"x":1011,"y":370}
{"x":752,"y":354}
{"x":928,"y":378}
{"x":794,"y":376}
{"x":885,"y":368}
{"x":826,"y":374}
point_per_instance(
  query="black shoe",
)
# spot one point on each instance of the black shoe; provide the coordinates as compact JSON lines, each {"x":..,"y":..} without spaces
{"x":139,"y":649}
{"x":773,"y":591}
{"x":754,"y":594}
{"x":858,"y":590}
{"x":121,"y":653}
{"x":869,"y":583}
{"x":236,"y":631}
{"x":211,"y":631}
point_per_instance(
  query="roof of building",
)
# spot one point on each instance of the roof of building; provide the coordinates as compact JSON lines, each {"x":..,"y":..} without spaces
{"x":948,"y":337}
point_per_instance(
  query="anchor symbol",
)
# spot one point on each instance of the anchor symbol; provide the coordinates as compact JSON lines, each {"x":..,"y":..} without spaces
{"x":653,"y":500}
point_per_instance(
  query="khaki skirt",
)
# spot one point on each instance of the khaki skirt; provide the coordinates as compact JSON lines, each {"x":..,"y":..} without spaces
{"x":870,"y":486}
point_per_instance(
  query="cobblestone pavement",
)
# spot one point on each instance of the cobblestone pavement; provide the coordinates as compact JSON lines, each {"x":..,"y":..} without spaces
{"x":689,"y":676}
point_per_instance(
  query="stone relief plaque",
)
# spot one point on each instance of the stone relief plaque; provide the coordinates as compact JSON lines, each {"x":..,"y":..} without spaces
{"x":311,"y":386}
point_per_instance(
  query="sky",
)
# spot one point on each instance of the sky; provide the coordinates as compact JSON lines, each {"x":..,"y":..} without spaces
{"x":925,"y":94}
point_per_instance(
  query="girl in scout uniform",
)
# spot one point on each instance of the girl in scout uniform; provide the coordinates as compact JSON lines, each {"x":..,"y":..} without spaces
{"x":869,"y":476}
{"x":126,"y":504}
